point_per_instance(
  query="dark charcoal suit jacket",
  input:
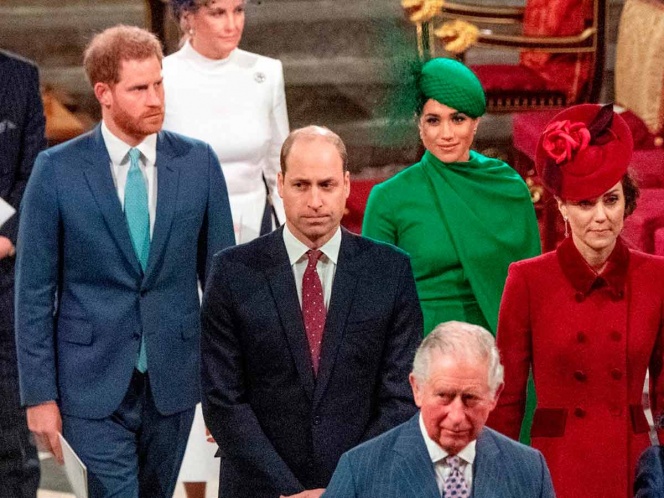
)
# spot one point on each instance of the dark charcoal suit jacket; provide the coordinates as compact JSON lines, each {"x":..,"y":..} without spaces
{"x":280,"y":430}
{"x":21,"y":139}
{"x":397,"y":465}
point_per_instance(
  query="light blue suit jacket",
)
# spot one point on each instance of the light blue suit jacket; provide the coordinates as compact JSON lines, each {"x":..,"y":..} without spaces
{"x":397,"y":465}
{"x":82,"y":300}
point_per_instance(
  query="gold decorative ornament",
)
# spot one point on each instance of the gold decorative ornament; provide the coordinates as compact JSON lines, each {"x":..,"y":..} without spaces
{"x":421,"y":13}
{"x":457,"y":35}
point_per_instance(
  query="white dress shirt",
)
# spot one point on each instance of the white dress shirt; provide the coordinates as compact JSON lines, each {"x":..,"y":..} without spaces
{"x":326,"y":267}
{"x":438,"y":455}
{"x":118,"y":151}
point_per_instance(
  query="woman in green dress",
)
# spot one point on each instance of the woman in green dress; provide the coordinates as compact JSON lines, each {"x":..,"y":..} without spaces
{"x":462,"y":217}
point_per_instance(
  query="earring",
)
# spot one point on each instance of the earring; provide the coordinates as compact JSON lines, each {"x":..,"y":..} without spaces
{"x":566,"y":227}
{"x":191,"y":32}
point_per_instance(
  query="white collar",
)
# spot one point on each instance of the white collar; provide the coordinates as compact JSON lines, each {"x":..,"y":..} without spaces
{"x":118,"y":149}
{"x":437,"y":454}
{"x":296,"y":249}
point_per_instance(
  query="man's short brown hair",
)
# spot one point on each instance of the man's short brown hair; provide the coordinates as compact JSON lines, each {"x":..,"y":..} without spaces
{"x":106,"y":51}
{"x":310,"y":133}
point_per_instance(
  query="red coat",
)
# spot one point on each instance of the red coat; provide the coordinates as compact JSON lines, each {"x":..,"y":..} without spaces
{"x":589,"y":340}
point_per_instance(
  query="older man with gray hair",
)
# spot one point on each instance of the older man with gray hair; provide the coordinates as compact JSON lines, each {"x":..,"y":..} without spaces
{"x":445,"y":450}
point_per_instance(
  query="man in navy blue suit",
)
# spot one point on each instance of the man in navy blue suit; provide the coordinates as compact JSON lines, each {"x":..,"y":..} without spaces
{"x":445,"y":450}
{"x":117,"y":228}
{"x":308,"y":335}
{"x":21,"y":139}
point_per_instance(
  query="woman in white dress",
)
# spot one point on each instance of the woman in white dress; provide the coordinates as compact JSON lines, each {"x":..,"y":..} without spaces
{"x":234,"y":100}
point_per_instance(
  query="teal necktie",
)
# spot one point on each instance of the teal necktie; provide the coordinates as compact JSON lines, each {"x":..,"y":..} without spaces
{"x":138,"y":219}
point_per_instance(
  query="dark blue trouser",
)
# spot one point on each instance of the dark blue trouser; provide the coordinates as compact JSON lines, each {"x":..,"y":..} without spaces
{"x":19,"y":465}
{"x":136,"y":452}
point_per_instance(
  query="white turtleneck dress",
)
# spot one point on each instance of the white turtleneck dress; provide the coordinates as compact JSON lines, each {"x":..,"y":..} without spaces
{"x":238,"y":106}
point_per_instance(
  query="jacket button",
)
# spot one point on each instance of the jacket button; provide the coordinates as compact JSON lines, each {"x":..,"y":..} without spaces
{"x":579,"y":297}
{"x":619,"y":295}
{"x":616,"y":336}
{"x":616,"y":373}
{"x":143,"y":293}
{"x":581,"y":337}
{"x":579,"y":412}
{"x":317,"y":420}
{"x":580,"y":375}
{"x":615,"y":411}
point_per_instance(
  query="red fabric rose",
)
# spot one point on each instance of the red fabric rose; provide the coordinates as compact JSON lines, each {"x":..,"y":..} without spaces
{"x":563,"y":139}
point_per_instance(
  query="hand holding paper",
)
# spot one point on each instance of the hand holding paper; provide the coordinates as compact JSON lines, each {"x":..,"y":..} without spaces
{"x":46,"y":424}
{"x":6,"y":211}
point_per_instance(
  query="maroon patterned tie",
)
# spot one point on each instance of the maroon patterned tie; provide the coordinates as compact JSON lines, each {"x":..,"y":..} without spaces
{"x":313,"y":307}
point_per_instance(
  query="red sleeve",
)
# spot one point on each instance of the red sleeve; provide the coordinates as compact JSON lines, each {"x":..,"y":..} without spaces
{"x":515,"y":345}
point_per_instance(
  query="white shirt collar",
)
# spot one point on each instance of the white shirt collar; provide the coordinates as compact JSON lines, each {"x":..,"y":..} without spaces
{"x":118,"y":149}
{"x":296,"y":249}
{"x":437,"y":454}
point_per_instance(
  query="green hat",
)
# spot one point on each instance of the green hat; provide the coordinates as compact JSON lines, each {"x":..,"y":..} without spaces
{"x":451,"y":83}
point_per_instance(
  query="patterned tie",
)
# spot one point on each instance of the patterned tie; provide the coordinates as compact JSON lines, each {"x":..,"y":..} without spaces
{"x":313,"y":307}
{"x":138,"y":219}
{"x":455,"y":485}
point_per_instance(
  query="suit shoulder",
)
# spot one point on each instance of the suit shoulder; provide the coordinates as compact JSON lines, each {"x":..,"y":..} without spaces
{"x":516,"y":449}
{"x":380,"y":444}
{"x":182,"y":143}
{"x":16,"y":62}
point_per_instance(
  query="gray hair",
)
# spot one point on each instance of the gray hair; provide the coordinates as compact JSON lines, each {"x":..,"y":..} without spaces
{"x":313,"y":132}
{"x":460,"y":339}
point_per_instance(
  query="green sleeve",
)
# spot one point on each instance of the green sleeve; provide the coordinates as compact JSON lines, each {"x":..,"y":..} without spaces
{"x":379,"y":223}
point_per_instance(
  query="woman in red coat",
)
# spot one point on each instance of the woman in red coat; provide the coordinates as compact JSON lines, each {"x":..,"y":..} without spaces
{"x":587,"y":317}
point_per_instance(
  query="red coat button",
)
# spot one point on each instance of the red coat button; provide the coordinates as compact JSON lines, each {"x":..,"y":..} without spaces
{"x":616,"y":373}
{"x":579,"y":412}
{"x":580,"y":375}
{"x":579,"y":297}
{"x":581,"y":337}
{"x":616,"y":336}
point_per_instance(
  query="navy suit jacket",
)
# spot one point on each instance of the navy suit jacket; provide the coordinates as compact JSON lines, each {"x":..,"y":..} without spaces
{"x":397,"y":465}
{"x":649,"y":482}
{"x":280,"y":429}
{"x":82,"y":300}
{"x":21,"y":139}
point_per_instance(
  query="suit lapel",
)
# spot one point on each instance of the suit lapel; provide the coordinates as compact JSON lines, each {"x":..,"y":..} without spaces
{"x":282,"y":283}
{"x":5,"y":76}
{"x":488,"y":471}
{"x":100,"y":180}
{"x":415,"y":466}
{"x":168,"y":176}
{"x":343,"y":290}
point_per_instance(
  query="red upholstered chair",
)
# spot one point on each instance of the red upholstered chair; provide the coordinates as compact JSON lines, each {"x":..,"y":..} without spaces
{"x":561,"y":44}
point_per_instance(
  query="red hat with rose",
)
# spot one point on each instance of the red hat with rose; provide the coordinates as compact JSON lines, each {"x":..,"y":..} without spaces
{"x":583,"y":152}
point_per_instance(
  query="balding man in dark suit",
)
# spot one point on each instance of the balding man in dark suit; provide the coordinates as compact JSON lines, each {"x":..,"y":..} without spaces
{"x":21,"y":138}
{"x":308,"y":335}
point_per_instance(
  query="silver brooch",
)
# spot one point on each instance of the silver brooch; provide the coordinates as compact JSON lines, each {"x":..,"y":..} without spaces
{"x":259,"y":77}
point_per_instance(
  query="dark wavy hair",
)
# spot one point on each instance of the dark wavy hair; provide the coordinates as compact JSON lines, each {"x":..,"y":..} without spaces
{"x":179,"y":7}
{"x":631,"y":192}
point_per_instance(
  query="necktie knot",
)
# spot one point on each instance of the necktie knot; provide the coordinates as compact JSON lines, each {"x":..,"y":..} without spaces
{"x":454,"y":462}
{"x":314,"y":255}
{"x":134,"y":156}
{"x":455,"y":486}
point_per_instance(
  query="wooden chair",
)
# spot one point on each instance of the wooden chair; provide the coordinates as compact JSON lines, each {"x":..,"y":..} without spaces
{"x":561,"y":63}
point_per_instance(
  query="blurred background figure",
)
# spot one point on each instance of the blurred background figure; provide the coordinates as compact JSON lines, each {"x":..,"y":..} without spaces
{"x":461,"y":216}
{"x":235,"y":101}
{"x":587,"y":317}
{"x":21,"y":139}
